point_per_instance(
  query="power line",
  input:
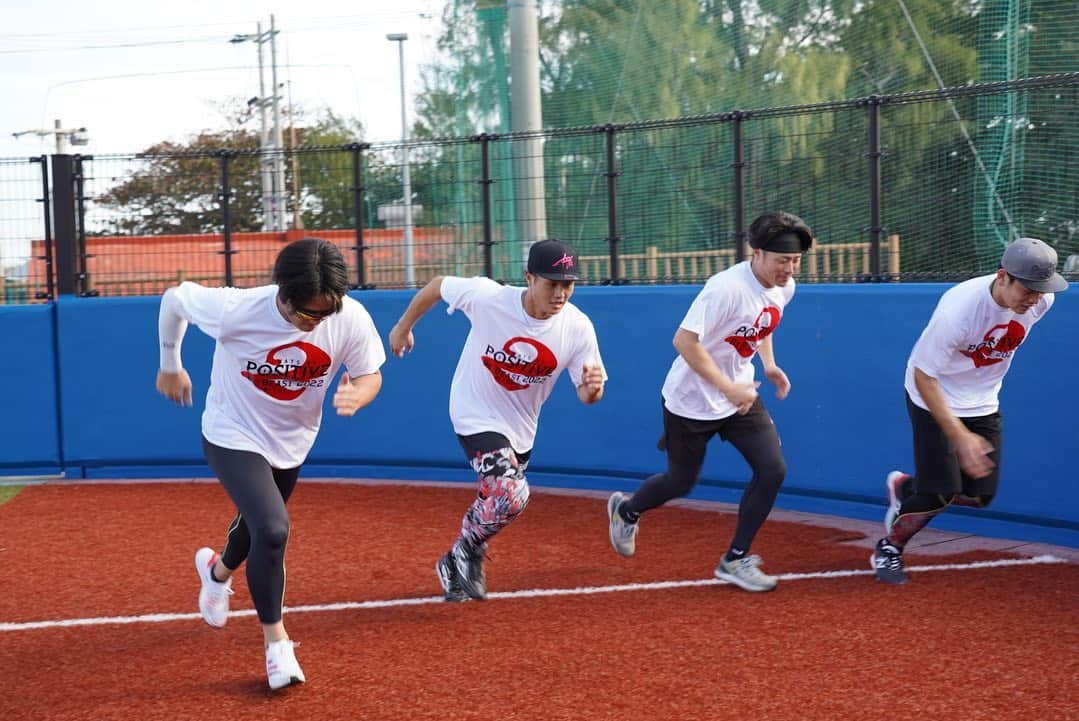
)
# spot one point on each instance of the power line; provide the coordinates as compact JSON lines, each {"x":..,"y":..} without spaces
{"x":151,"y":43}
{"x":321,"y":23}
{"x":324,"y":24}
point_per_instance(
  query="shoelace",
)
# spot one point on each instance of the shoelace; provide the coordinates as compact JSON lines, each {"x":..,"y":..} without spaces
{"x":889,"y":559}
{"x":221,"y":590}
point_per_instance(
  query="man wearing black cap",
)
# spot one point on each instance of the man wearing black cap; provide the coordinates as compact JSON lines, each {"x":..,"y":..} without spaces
{"x":953,"y":377}
{"x":710,"y":390}
{"x":520,"y":342}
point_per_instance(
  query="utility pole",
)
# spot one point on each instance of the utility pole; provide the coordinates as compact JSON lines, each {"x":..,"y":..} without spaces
{"x":62,"y":135}
{"x":271,"y":163}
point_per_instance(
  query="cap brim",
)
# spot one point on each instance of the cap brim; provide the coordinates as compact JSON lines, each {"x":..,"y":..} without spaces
{"x":558,"y":276}
{"x":1054,"y":284}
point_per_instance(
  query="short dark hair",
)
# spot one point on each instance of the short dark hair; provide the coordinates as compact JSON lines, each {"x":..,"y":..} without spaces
{"x":308,"y":269}
{"x":771,"y":226}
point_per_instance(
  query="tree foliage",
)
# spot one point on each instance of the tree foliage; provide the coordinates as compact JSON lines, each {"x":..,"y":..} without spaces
{"x":176,"y":187}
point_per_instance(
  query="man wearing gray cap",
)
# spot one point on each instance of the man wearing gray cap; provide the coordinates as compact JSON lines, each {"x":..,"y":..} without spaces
{"x":953,"y":377}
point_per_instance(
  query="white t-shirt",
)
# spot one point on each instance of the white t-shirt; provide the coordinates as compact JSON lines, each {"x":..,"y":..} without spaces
{"x":269,"y":378}
{"x":968,"y":346}
{"x":731,"y":315}
{"x":511,"y":360}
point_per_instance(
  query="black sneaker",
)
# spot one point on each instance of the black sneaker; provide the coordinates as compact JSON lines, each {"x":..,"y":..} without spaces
{"x":887,"y":561}
{"x":468,"y":560}
{"x":447,"y":576}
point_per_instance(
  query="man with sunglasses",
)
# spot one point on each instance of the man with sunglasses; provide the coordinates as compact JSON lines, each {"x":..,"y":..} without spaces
{"x":953,"y":376}
{"x":278,"y":347}
{"x":520,"y":342}
{"x":710,"y":390}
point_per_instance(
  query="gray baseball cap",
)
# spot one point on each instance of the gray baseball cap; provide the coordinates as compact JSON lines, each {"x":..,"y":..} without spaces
{"x":1034,"y":264}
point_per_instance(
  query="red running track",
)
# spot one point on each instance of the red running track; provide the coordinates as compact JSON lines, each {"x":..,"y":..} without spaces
{"x":966,"y":644}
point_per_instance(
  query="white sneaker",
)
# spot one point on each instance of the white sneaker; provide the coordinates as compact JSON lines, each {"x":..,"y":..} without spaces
{"x":282,"y":668}
{"x":213,"y":596}
{"x":892,"y":483}
{"x":746,"y":574}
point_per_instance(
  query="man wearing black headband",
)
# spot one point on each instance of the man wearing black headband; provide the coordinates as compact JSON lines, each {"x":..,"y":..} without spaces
{"x":710,"y":390}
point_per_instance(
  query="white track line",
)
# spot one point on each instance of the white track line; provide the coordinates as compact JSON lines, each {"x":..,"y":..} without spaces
{"x":533,"y":593}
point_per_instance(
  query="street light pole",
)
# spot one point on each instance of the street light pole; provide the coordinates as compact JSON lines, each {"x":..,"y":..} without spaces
{"x":410,"y":269}
{"x":264,"y":139}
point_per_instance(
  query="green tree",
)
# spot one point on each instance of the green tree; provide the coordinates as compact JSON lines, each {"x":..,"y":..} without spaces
{"x":174,"y":188}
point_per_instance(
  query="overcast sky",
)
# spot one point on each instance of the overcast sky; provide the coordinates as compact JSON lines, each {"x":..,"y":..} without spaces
{"x":135,"y":72}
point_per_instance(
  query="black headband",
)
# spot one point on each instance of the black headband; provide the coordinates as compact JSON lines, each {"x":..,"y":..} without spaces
{"x":786,"y":242}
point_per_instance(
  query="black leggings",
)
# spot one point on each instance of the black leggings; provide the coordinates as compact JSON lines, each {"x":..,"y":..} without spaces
{"x":260,"y":531}
{"x":685,"y":440}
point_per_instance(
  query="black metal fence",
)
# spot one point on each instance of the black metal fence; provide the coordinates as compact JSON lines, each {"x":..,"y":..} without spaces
{"x":919,"y":186}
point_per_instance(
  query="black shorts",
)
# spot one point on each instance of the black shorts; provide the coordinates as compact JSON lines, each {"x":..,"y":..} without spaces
{"x":936,"y":465}
{"x":686,"y":439}
{"x":479,"y":443}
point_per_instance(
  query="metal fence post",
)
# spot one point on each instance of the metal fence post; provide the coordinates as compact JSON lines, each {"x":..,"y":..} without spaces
{"x":739,"y":189}
{"x":358,"y":192}
{"x":43,"y":162}
{"x":875,"y":228}
{"x":226,"y":193}
{"x":485,"y":181}
{"x":609,"y":130}
{"x":83,"y":276}
{"x":63,"y":213}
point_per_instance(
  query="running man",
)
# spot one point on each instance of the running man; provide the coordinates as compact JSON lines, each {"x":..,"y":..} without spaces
{"x":520,"y":342}
{"x":953,"y":376}
{"x":710,"y":390}
{"x":277,"y":349}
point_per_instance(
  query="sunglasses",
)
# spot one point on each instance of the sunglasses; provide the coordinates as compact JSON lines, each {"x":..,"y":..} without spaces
{"x":313,"y":314}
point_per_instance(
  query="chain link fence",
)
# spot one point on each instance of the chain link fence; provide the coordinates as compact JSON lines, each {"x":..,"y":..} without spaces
{"x":919,"y":186}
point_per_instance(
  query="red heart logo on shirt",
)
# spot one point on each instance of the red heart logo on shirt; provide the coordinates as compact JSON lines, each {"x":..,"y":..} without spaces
{"x":999,"y":342}
{"x":746,"y":338}
{"x":270,"y":377}
{"x":514,"y":372}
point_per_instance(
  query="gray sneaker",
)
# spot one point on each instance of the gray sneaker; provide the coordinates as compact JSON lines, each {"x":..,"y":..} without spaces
{"x":745,"y":573}
{"x":622,"y":533}
{"x":468,"y":560}
{"x":447,"y":576}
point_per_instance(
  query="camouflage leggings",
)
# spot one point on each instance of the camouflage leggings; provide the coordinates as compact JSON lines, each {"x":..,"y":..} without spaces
{"x":503,"y":489}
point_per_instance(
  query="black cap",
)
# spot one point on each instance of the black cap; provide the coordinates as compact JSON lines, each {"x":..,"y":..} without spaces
{"x":780,"y":232}
{"x":553,"y":260}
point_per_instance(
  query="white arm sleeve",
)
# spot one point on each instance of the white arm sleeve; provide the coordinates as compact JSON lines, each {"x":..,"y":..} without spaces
{"x":171,"y":326}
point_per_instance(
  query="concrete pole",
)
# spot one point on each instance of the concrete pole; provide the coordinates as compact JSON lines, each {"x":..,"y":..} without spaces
{"x":264,"y":141}
{"x":526,"y":115}
{"x":406,"y":182}
{"x":278,"y":143}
